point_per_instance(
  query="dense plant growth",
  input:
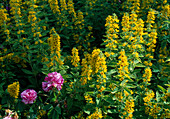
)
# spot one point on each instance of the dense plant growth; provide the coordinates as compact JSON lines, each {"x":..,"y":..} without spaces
{"x":84,"y":59}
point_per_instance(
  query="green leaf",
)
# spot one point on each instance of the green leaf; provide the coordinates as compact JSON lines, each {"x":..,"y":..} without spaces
{"x":54,"y":116}
{"x":26,"y":71}
{"x":47,"y":107}
{"x":140,"y":65}
{"x":92,"y":86}
{"x":131,"y":86}
{"x":128,"y":90}
{"x":108,"y":99}
{"x":162,"y":89}
{"x":58,"y":109}
{"x":110,"y":111}
{"x":31,"y":110}
{"x":50,"y":112}
{"x":168,"y":60}
{"x":97,"y":101}
{"x":20,"y":106}
{"x":157,"y":96}
{"x":69,"y":103}
{"x":114,"y":91}
{"x":1,"y":89}
{"x":62,"y":72}
{"x":155,"y":70}
{"x":123,"y":82}
{"x":112,"y":72}
{"x":163,"y":44}
{"x":167,"y":85}
{"x":87,"y":112}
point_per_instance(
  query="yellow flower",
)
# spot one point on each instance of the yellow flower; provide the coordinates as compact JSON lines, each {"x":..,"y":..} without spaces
{"x":40,"y":41}
{"x":89,"y":99}
{"x":13,"y":89}
{"x":90,"y":28}
{"x":107,"y":54}
{"x":36,"y":42}
{"x":147,"y":74}
{"x":75,"y":57}
{"x":102,"y":89}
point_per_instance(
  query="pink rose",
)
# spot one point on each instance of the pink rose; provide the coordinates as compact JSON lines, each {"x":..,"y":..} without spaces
{"x":28,"y":96}
{"x":8,"y":117}
{"x":47,"y":86}
{"x":53,"y":79}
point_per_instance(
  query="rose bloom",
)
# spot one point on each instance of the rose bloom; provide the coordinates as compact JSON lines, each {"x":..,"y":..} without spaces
{"x":29,"y":96}
{"x":8,"y":117}
{"x":53,"y":79}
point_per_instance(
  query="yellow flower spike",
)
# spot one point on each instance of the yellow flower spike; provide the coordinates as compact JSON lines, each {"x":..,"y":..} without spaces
{"x":13,"y":89}
{"x":75,"y":57}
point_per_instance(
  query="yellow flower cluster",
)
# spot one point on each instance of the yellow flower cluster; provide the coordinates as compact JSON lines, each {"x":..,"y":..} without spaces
{"x":71,"y":10}
{"x":154,"y":110}
{"x":112,"y":26}
{"x":3,"y":20}
{"x":135,"y":5}
{"x":73,"y":15}
{"x":153,"y":107}
{"x":54,"y":6}
{"x":132,"y":5}
{"x":80,"y":20}
{"x":98,"y":62}
{"x":166,"y":11}
{"x":64,"y":13}
{"x":75,"y":57}
{"x":147,"y":75}
{"x":123,"y":66}
{"x":152,"y":41}
{"x":129,"y":108}
{"x":78,"y":26}
{"x":133,"y":40}
{"x":133,"y":20}
{"x":32,"y":19}
{"x":91,"y":4}
{"x":8,"y":56}
{"x":96,"y":115}
{"x":149,"y":95}
{"x":86,"y":69}
{"x":13,"y":89}
{"x":150,"y":18}
{"x":3,"y":16}
{"x":151,"y":37}
{"x":17,"y":59}
{"x":146,"y":4}
{"x":80,"y":115}
{"x":93,"y":64}
{"x":119,"y":95}
{"x":63,"y":5}
{"x":89,"y":99}
{"x":125,"y":23}
{"x":41,"y":113}
{"x":165,"y":115}
{"x":101,"y":89}
{"x":54,"y":42}
{"x":56,"y":9}
{"x":15,"y":7}
{"x":148,"y":63}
